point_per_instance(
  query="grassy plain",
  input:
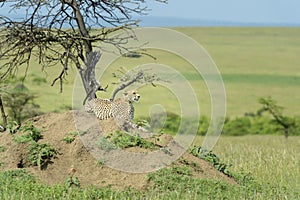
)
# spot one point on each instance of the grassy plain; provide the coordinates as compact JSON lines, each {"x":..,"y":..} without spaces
{"x":270,"y":159}
{"x":254,"y":62}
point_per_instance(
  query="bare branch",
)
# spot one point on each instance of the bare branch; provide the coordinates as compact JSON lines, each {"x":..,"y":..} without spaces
{"x":127,"y":79}
{"x":60,"y":78}
{"x":60,"y":32}
{"x":122,"y":86}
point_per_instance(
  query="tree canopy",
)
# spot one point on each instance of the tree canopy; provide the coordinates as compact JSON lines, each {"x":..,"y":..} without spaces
{"x":65,"y":33}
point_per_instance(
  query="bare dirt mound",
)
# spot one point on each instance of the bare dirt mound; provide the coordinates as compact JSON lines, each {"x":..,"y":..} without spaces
{"x":74,"y":157}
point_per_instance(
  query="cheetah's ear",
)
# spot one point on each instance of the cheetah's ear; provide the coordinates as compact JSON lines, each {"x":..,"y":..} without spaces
{"x":125,"y":93}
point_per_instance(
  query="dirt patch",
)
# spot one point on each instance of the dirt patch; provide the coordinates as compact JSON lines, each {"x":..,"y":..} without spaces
{"x":78,"y":156}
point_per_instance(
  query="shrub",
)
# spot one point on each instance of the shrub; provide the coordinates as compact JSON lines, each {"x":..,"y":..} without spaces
{"x":71,"y":138}
{"x":209,"y":156}
{"x":41,"y":154}
{"x":124,"y":140}
{"x":264,"y":125}
{"x":203,"y":125}
{"x":20,"y":103}
{"x":38,"y":154}
{"x":170,"y":123}
{"x":32,"y":134}
{"x":12,"y":127}
{"x":238,"y":126}
{"x":38,"y":80}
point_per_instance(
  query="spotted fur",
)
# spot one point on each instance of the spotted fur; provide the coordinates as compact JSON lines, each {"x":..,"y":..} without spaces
{"x":121,"y":109}
{"x":101,"y":107}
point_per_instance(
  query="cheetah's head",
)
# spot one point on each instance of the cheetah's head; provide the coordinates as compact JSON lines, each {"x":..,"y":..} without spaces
{"x":131,"y":96}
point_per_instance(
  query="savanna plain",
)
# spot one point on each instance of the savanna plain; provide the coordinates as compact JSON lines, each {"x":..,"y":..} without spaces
{"x":254,"y":63}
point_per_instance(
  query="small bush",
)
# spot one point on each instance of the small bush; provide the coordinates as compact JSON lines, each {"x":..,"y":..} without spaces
{"x":172,"y":123}
{"x":39,"y":80}
{"x":20,"y":102}
{"x":71,"y":138}
{"x":68,"y":139}
{"x":264,"y":126}
{"x":101,"y":162}
{"x":238,"y":126}
{"x":32,"y":134}
{"x":72,"y":181}
{"x":203,"y":125}
{"x":41,"y":154}
{"x":295,"y":130}
{"x":12,"y":127}
{"x":124,"y":140}
{"x":209,"y":156}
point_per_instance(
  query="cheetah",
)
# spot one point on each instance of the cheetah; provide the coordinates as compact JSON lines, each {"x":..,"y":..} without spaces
{"x":120,"y":109}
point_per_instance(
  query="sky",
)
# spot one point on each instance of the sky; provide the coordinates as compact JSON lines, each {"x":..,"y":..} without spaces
{"x":241,"y":11}
{"x":244,"y":11}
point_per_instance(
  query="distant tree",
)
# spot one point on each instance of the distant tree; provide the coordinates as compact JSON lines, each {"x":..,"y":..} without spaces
{"x":20,"y":103}
{"x":270,"y":106}
{"x":60,"y":32}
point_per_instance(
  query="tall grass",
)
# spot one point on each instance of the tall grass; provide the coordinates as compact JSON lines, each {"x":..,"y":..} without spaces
{"x":270,"y":159}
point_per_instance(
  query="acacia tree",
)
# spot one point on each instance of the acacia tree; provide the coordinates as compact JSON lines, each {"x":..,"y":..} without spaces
{"x":60,"y":33}
{"x":270,"y":106}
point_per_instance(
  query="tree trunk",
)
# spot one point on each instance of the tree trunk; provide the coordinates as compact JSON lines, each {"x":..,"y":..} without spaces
{"x":4,"y":116}
{"x":87,"y":72}
{"x":88,"y":76}
{"x":286,"y":132}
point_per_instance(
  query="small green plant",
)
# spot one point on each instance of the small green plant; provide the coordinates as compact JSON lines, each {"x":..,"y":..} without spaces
{"x":209,"y":156}
{"x":12,"y":127}
{"x":143,"y":123}
{"x":32,"y":131}
{"x":68,"y":139}
{"x":32,"y":134}
{"x":41,"y":154}
{"x":72,"y":181}
{"x":124,"y":140}
{"x":82,"y":132}
{"x":71,"y":138}
{"x":101,"y":162}
{"x":193,"y":165}
{"x":2,"y":149}
{"x":74,"y":133}
{"x":23,"y":139}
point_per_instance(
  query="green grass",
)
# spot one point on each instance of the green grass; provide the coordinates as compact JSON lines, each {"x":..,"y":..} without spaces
{"x":269,"y":56}
{"x":266,"y":167}
{"x":254,"y":62}
{"x":270,"y":159}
